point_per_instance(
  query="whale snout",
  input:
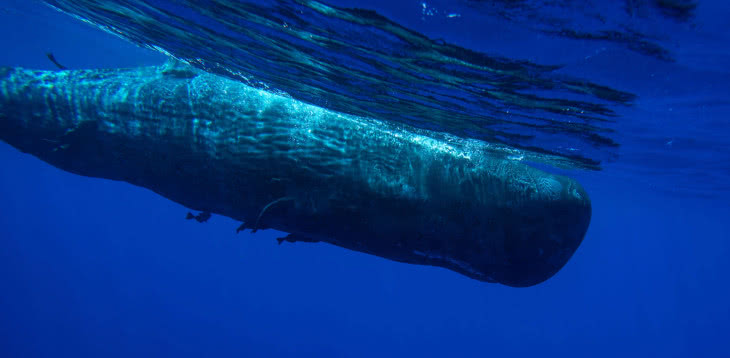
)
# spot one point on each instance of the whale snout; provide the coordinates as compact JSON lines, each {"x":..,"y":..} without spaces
{"x":543,"y":234}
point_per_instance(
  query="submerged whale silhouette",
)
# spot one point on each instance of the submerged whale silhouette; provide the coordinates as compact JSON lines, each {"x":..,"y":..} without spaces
{"x":219,"y":146}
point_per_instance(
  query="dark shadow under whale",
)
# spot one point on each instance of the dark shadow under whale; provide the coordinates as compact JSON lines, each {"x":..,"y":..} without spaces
{"x":219,"y":146}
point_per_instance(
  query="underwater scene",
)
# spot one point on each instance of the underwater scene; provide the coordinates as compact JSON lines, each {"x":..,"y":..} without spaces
{"x":338,"y":178}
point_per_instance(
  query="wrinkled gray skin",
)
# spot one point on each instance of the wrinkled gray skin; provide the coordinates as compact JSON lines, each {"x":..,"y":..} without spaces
{"x":217,"y":145}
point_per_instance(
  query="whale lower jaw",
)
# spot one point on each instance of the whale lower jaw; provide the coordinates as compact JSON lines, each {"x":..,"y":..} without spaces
{"x":219,"y":146}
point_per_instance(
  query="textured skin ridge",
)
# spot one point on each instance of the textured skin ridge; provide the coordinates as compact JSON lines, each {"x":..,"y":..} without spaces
{"x":219,"y":146}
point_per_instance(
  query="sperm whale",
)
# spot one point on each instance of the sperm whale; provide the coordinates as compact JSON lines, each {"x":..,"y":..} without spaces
{"x":220,"y":146}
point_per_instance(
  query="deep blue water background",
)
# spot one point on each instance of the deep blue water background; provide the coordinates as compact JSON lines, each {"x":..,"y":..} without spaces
{"x":92,"y":267}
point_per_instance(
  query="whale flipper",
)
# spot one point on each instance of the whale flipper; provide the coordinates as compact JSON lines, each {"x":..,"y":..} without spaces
{"x":258,"y":219}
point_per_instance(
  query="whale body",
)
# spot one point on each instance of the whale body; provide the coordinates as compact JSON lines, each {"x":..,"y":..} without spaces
{"x":219,"y":146}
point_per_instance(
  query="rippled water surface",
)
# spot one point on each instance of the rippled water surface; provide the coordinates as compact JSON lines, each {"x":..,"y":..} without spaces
{"x":635,"y":86}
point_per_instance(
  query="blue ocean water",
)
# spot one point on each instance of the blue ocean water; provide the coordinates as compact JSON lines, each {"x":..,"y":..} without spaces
{"x":99,"y":268}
